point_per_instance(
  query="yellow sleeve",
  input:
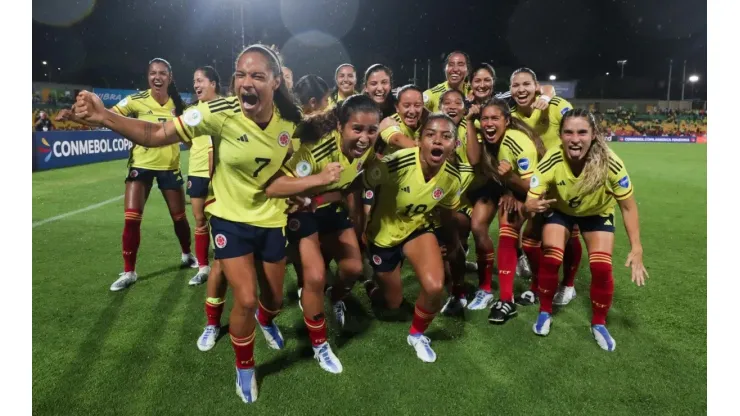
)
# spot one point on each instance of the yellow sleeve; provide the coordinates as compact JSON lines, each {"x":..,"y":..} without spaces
{"x":539,"y":182}
{"x":126,"y":107}
{"x":619,"y":179}
{"x":526,"y":161}
{"x":301,"y":164}
{"x":195,"y":121}
{"x":558,"y":107}
{"x":389,"y":132}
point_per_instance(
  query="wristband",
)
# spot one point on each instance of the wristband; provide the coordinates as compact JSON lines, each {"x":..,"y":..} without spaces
{"x":318,"y":200}
{"x":546,"y":98}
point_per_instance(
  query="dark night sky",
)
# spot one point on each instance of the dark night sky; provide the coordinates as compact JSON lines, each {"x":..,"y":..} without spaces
{"x":575,"y":39}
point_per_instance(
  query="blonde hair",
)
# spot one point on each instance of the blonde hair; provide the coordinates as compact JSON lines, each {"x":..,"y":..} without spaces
{"x":596,"y":169}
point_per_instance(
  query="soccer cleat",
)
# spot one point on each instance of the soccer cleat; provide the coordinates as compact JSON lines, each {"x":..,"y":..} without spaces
{"x":542,"y":326}
{"x":522,"y":267}
{"x":471,"y":266}
{"x":527,"y":298}
{"x":246,"y":384}
{"x":125,"y":280}
{"x":454,"y":305}
{"x":564,"y":295}
{"x":421,"y":345}
{"x":501,"y":312}
{"x":340,"y":313}
{"x":272,"y":335}
{"x":188,"y":260}
{"x":603,"y":338}
{"x":326,"y":358}
{"x":481,"y":301}
{"x":201,"y":276}
{"x":300,"y":305}
{"x":208,"y":338}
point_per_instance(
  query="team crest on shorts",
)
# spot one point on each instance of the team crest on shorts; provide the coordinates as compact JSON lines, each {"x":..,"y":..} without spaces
{"x":284,"y":139}
{"x":438,"y":193}
{"x":220,"y":240}
{"x":134,"y":173}
{"x":303,"y":168}
{"x":376,"y":259}
{"x":294,"y":224}
{"x":369,"y":194}
{"x":190,"y":184}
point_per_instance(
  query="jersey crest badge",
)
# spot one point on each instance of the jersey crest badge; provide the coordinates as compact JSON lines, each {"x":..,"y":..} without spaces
{"x":438,"y":193}
{"x":376,"y":259}
{"x":192,"y":117}
{"x":220,"y":240}
{"x":369,"y":194}
{"x":303,"y":168}
{"x":534,"y":182}
{"x":523,"y":163}
{"x":134,"y":173}
{"x":294,"y":224}
{"x":624,"y":182}
{"x":284,"y":139}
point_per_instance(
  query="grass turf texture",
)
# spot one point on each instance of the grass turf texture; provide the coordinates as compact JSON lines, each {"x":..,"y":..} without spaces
{"x":133,"y":352}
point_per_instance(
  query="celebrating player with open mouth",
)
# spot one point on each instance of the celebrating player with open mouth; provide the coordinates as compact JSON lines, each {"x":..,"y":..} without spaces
{"x":251,"y":137}
{"x":582,"y":181}
{"x":345,"y":79}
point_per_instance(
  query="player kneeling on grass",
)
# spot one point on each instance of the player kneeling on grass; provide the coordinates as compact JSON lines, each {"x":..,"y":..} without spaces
{"x":582,"y":180}
{"x":407,"y":185}
{"x":343,"y":135}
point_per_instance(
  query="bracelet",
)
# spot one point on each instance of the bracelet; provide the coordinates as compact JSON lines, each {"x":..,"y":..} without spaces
{"x":307,"y":202}
{"x":319,"y":200}
{"x":546,"y":98}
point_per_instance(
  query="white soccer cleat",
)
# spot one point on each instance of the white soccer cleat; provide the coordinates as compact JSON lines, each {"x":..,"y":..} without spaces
{"x":246,"y":384}
{"x":340,"y":312}
{"x":188,"y":260}
{"x":300,"y":305}
{"x":522,"y":267}
{"x":421,"y":345}
{"x":603,"y":338}
{"x":542,"y":326}
{"x":454,"y":305}
{"x":326,"y":358}
{"x":481,"y":301}
{"x":564,"y":295}
{"x":125,"y":280}
{"x":207,"y":339}
{"x":272,"y":334}
{"x":200,"y":277}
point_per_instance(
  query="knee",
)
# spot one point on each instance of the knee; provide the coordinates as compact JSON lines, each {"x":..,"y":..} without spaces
{"x":352,"y":268}
{"x":245,"y":299}
{"x":314,"y":279}
{"x":200,"y":220}
{"x":434,"y":283}
{"x":552,"y":256}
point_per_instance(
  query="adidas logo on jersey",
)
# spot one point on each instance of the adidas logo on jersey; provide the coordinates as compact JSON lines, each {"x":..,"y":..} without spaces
{"x":406,"y":189}
{"x":243,"y":138}
{"x":561,"y":183}
{"x":150,"y":112}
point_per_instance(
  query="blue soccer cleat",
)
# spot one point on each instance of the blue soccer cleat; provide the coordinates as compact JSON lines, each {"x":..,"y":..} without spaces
{"x":246,"y":384}
{"x":542,"y":326}
{"x":272,"y":335}
{"x":603,"y":338}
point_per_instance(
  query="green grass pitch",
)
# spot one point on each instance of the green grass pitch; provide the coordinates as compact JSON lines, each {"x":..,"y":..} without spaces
{"x":133,"y":352}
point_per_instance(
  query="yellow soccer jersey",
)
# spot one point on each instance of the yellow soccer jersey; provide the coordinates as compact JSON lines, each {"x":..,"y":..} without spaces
{"x":245,"y":157}
{"x":390,"y":131}
{"x":143,"y":106}
{"x":403,"y":197}
{"x":198,"y":164}
{"x":432,"y":95}
{"x":517,"y":149}
{"x":467,"y":174}
{"x":461,"y":144}
{"x":311,"y":158}
{"x":554,"y":177}
{"x":331,"y":103}
{"x":547,"y":123}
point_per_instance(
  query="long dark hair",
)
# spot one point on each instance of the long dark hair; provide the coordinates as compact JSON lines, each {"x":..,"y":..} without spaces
{"x":467,"y":64}
{"x":310,"y":86}
{"x":389,"y":105}
{"x":319,"y":125}
{"x":490,"y":151}
{"x":486,"y":67}
{"x":282,"y":98}
{"x":212,"y":76}
{"x":335,"y":90}
{"x":172,"y":88}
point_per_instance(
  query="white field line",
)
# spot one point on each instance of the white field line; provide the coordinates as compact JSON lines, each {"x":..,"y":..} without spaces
{"x":79,"y":211}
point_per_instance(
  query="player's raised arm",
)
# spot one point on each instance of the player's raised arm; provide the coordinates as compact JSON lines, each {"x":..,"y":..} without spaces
{"x":473,"y":146}
{"x":285,"y":185}
{"x":90,"y":108}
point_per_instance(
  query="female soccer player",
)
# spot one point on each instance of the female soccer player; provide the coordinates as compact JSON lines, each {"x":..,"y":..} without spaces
{"x":345,"y":78}
{"x":583,"y":180}
{"x":251,"y":136}
{"x":401,"y":130}
{"x":408,"y":184}
{"x":207,"y":85}
{"x":457,"y":68}
{"x":345,"y":135}
{"x":507,"y":155}
{"x":312,"y":92}
{"x":378,"y":82}
{"x":542,"y":111}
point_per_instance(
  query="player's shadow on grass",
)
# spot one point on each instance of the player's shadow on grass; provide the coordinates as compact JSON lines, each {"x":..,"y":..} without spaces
{"x":160,"y":272}
{"x":79,"y":369}
{"x":357,"y":321}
